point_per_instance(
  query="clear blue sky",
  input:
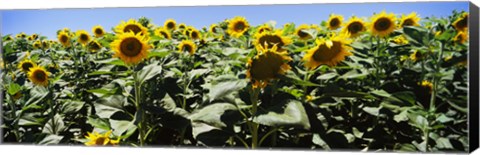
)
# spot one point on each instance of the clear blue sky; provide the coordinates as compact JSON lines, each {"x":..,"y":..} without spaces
{"x":47,"y":22}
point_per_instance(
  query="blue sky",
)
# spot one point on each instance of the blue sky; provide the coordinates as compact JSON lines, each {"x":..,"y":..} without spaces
{"x":47,"y":22}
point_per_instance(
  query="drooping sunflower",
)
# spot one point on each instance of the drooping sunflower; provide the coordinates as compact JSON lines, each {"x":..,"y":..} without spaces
{"x":162,"y":32}
{"x":382,"y":24}
{"x":300,"y":32}
{"x":461,"y":24}
{"x":94,"y":46}
{"x":187,"y":46}
{"x":195,"y":34}
{"x":83,"y":37}
{"x":38,"y":75}
{"x":268,"y":39}
{"x":131,"y":48}
{"x":170,"y":24}
{"x":410,"y":20}
{"x":263,"y":28}
{"x":96,"y":139}
{"x":329,"y":51}
{"x":64,"y":38}
{"x":237,"y":26}
{"x":45,"y":44}
{"x":461,"y":37}
{"x":37,"y":44}
{"x":267,"y":65}
{"x":334,"y":22}
{"x":98,"y":31}
{"x":26,"y":65}
{"x":354,"y":27}
{"x":133,"y":26}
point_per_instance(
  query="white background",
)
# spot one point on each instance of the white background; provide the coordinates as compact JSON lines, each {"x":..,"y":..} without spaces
{"x":80,"y":150}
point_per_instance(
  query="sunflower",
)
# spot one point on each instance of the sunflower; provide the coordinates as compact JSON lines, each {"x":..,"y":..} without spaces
{"x":35,"y":36}
{"x":263,"y":28}
{"x":461,"y":37}
{"x":382,"y":24}
{"x":188,"y":46}
{"x":328,"y":51}
{"x":300,"y":32}
{"x":162,"y":32}
{"x":335,"y":21}
{"x":45,"y":44}
{"x":400,"y":39}
{"x":30,"y":38}
{"x":461,"y":24}
{"x":416,"y":56}
{"x":268,"y":39}
{"x":94,"y":46}
{"x":427,"y":84}
{"x":83,"y":37}
{"x":64,"y":38}
{"x":195,"y":34}
{"x":97,"y":139}
{"x":98,"y":31}
{"x":37,"y":44}
{"x":354,"y":27}
{"x":21,"y":35}
{"x":213,"y":28}
{"x":188,"y":30}
{"x":131,"y":25}
{"x":170,"y":24}
{"x":267,"y":65}
{"x":411,"y":20}
{"x":26,"y":65}
{"x":38,"y":75}
{"x":130,"y":47}
{"x":237,"y":26}
{"x":8,"y":38}
{"x":182,"y":26}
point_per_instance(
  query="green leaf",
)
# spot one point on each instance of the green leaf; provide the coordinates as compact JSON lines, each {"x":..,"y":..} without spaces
{"x":106,"y":107}
{"x":381,"y":93}
{"x":72,"y":106}
{"x":415,"y":34}
{"x":13,"y":88}
{"x":197,"y":72}
{"x":327,"y":76}
{"x":224,"y":88}
{"x":355,"y":74}
{"x":101,"y":123}
{"x":443,"y":143}
{"x":403,"y":116}
{"x":158,"y":53}
{"x":51,"y":139}
{"x":372,"y":110}
{"x":30,"y":120}
{"x":55,"y":125}
{"x":148,"y":72}
{"x":120,"y":126}
{"x":285,"y":113}
{"x":37,"y":94}
{"x":219,"y":115}
{"x":290,"y":76}
{"x":444,"y":119}
{"x":208,"y":135}
{"x":317,"y":140}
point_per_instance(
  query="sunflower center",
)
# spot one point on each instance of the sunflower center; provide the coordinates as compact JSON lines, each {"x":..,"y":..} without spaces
{"x":266,"y":66}
{"x":40,"y":75}
{"x":194,"y":34}
{"x":355,"y":27}
{"x":323,"y":53}
{"x":407,"y":22}
{"x":302,"y":34}
{"x":27,"y":66}
{"x":134,"y":28}
{"x":239,"y":26}
{"x":463,"y":23}
{"x":63,"y":38}
{"x":382,"y":24}
{"x":271,"y":40}
{"x":334,"y":22}
{"x":214,"y":29}
{"x":84,"y":37}
{"x":131,"y":47}
{"x":98,"y":31}
{"x":170,"y":25}
{"x":94,"y":45}
{"x":100,"y":140}
{"x":187,"y":48}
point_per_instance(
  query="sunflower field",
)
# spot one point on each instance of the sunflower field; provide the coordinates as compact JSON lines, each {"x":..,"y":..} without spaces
{"x":388,"y":82}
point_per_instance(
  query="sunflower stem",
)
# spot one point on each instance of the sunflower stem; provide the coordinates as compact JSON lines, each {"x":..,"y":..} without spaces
{"x":254,"y":126}
{"x":141,"y":124}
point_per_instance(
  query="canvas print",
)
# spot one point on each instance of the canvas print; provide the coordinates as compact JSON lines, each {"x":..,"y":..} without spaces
{"x":357,"y":77}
